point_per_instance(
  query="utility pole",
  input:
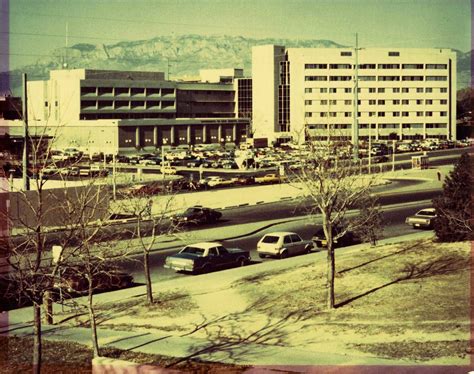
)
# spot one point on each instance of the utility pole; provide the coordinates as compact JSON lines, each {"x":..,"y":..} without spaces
{"x":26,"y":180}
{"x":355,"y":124}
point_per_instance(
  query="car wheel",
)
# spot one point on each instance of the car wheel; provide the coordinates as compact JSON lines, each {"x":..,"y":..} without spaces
{"x":283,"y":255}
{"x":308,"y":249}
{"x":241,"y":262}
{"x":206,"y":269}
{"x":261,"y":255}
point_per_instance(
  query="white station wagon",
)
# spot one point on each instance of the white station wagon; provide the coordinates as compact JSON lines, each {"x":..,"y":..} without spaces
{"x":283,"y":244}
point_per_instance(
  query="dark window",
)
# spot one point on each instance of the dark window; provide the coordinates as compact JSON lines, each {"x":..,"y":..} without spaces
{"x":394,"y":53}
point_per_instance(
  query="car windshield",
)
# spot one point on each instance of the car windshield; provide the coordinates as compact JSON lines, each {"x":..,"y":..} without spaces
{"x":193,"y":250}
{"x":270,"y":239}
{"x":426,"y":213}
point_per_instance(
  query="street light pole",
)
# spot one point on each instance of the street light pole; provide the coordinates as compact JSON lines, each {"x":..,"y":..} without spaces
{"x":26,"y":181}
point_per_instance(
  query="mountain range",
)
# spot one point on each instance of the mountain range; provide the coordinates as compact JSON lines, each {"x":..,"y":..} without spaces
{"x":180,"y":57}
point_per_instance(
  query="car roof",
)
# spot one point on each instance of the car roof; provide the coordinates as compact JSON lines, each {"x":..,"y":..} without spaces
{"x":281,"y":233}
{"x":427,"y":209}
{"x":205,"y":245}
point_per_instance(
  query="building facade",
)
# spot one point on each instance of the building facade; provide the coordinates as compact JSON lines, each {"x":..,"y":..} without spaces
{"x":313,"y":92}
{"x":117,"y":111}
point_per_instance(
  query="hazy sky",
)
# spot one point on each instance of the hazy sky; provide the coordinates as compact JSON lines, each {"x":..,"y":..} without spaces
{"x":38,"y":26}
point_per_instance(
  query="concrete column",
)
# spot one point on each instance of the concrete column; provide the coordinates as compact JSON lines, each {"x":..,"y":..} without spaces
{"x":188,"y":135}
{"x":155,"y":137}
{"x":219,"y":134}
{"x":137,"y":137}
{"x":204,"y":134}
{"x":172,"y":136}
{"x":234,"y":133}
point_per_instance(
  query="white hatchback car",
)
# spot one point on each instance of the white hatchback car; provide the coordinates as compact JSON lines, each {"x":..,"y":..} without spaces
{"x":283,"y":244}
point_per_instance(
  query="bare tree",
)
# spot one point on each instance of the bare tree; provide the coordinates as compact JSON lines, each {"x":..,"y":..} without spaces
{"x":152,"y":213}
{"x":334,"y":185}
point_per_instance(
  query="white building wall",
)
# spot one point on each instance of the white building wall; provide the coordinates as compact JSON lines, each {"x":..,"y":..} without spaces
{"x":265,"y":77}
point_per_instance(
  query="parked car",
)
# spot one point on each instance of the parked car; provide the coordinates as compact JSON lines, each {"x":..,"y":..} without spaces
{"x":197,"y":215}
{"x":72,"y":281}
{"x":268,"y":178}
{"x":348,"y":238}
{"x":244,"y":180}
{"x":150,"y":161}
{"x":220,"y":182}
{"x":283,"y":244}
{"x":423,"y":219}
{"x":206,"y":256}
{"x":168,"y":170}
{"x":50,"y":170}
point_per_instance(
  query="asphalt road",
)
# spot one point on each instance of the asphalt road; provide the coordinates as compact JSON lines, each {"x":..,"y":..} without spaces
{"x":394,"y":221}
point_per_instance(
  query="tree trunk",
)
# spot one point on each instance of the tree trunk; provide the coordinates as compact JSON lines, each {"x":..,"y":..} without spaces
{"x":149,"y":291}
{"x":37,"y":346}
{"x":95,"y":340}
{"x":47,"y":308}
{"x":331,"y":265}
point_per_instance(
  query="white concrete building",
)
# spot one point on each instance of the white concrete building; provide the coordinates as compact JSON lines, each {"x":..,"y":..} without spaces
{"x":402,"y":93}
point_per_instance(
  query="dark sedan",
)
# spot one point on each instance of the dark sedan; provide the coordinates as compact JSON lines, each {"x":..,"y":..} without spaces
{"x":348,"y":238}
{"x":197,"y":215}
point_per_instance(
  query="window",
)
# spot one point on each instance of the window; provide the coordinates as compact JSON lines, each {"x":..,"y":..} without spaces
{"x":308,"y":90}
{"x":324,"y":102}
{"x":419,"y":102}
{"x":412,"y":66}
{"x":367,"y":66}
{"x":381,"y":102}
{"x":340,"y":66}
{"x":340,"y":78}
{"x":389,"y":78}
{"x":405,"y":90}
{"x":381,"y":114}
{"x":315,"y":66}
{"x":372,"y":102}
{"x":332,"y":102}
{"x":389,"y":66}
{"x":347,"y":102}
{"x":347,"y":114}
{"x":372,"y":90}
{"x":366,"y":77}
{"x":396,"y":114}
{"x":381,"y":90}
{"x":406,"y":125}
{"x":332,"y":90}
{"x":46,"y":104}
{"x":429,"y":102}
{"x":394,"y":54}
{"x":308,"y":102}
{"x":323,"y":114}
{"x":429,"y":114}
{"x":405,"y":102}
{"x":346,"y":53}
{"x":315,"y":78}
{"x":443,"y":114}
{"x":436,"y":66}
{"x":419,"y":90}
{"x":405,"y":114}
{"x":443,"y":101}
{"x":429,"y":90}
{"x":371,"y":114}
{"x":443,"y":90}
{"x":396,"y":90}
{"x":348,"y":90}
{"x":332,"y":114}
{"x":419,"y":114}
{"x":308,"y":114}
{"x":396,"y":102}
{"x":436,"y":78}
{"x":412,"y":78}
{"x":436,"y":125}
{"x":323,"y":90}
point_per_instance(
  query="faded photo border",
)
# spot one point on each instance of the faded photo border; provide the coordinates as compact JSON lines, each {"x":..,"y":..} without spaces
{"x":5,"y":85}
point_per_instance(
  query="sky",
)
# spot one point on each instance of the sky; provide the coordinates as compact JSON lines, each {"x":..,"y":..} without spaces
{"x":37,"y":27}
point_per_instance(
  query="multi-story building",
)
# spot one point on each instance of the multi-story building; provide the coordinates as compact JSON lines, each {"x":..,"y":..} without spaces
{"x":111,"y":111}
{"x":399,"y":93}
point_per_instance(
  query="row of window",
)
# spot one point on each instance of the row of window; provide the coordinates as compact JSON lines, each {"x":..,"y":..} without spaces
{"x":126,"y":91}
{"x":379,"y":114}
{"x":324,"y":126}
{"x":367,"y":78}
{"x":378,"y":66}
{"x":377,"y":90}
{"x":377,"y":102}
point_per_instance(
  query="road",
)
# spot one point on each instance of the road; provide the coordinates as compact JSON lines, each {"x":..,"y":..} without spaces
{"x":394,"y":219}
